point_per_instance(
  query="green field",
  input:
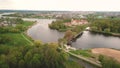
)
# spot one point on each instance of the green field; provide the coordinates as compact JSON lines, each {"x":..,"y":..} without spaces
{"x":16,"y":39}
{"x":27,"y":23}
{"x":85,"y":53}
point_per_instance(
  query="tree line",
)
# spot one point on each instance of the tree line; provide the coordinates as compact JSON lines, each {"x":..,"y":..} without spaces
{"x":37,"y":56}
{"x":106,"y":25}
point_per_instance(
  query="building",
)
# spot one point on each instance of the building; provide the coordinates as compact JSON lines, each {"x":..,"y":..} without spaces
{"x":76,"y":22}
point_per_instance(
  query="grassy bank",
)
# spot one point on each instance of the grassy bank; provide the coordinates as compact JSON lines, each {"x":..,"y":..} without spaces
{"x":85,"y":53}
{"x":16,"y":38}
{"x":106,"y":33}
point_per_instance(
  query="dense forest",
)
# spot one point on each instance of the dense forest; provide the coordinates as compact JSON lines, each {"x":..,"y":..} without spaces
{"x":106,"y":25}
{"x":38,"y":56}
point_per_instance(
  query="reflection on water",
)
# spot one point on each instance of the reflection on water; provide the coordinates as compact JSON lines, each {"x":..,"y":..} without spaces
{"x":94,"y":40}
{"x":41,"y":31}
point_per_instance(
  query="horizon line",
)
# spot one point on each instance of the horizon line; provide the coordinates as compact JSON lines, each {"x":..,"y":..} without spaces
{"x":59,"y":10}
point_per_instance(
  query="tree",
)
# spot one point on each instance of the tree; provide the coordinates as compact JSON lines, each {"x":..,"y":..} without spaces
{"x":38,"y":43}
{"x":108,"y":62}
{"x":21,"y":64}
{"x":68,"y":35}
{"x":3,"y":63}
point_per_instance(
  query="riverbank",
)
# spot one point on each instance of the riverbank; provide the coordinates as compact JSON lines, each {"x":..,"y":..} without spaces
{"x":26,"y":34}
{"x":106,"y":33}
{"x":107,"y":52}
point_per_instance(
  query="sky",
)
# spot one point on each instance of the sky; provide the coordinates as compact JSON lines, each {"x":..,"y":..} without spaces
{"x":63,"y":5}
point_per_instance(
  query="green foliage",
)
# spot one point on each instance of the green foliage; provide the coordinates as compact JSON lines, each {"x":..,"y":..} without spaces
{"x":4,"y":39}
{"x":10,"y":35}
{"x":13,"y":39}
{"x":107,"y":30}
{"x":19,"y":25}
{"x":108,"y":62}
{"x":45,"y":56}
{"x":68,"y":35}
{"x":79,"y":28}
{"x":38,"y":43}
{"x":72,"y":64}
{"x":84,"y":53}
{"x":9,"y":30}
{"x":106,"y":25}
{"x":58,"y":25}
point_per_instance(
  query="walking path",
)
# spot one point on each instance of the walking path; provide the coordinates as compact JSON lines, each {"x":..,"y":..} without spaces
{"x":26,"y":38}
{"x":96,"y":63}
{"x":85,"y":59}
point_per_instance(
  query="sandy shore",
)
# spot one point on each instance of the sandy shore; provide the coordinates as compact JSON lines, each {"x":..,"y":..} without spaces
{"x":107,"y":52}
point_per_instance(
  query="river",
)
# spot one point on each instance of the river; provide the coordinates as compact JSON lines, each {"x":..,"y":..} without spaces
{"x":95,"y":40}
{"x":88,"y":40}
{"x":41,"y":31}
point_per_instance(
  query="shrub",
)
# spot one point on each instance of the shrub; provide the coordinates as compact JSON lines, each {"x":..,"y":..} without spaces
{"x":4,"y":39}
{"x":108,"y":62}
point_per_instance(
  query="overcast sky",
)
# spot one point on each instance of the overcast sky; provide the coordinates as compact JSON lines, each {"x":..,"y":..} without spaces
{"x":70,"y":5}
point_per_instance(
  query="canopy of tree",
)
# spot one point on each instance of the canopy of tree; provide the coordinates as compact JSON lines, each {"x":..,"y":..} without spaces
{"x":38,"y":56}
{"x":106,"y":25}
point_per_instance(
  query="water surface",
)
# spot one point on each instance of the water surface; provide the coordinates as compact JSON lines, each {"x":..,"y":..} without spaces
{"x":95,"y":40}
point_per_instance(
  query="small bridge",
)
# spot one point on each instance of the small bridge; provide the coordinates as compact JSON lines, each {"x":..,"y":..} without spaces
{"x":77,"y":36}
{"x":74,"y":38}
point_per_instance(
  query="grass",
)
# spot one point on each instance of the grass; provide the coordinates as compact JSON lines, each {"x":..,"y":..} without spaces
{"x":16,"y":39}
{"x":27,"y":23}
{"x":26,"y":38}
{"x":72,"y":64}
{"x":85,"y":53}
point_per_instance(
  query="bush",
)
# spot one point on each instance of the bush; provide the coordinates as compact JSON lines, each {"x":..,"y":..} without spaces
{"x":107,"y":30}
{"x":13,"y":30}
{"x":108,"y":62}
{"x":84,"y":53}
{"x":9,"y":29}
{"x":20,"y":27}
{"x":4,"y":39}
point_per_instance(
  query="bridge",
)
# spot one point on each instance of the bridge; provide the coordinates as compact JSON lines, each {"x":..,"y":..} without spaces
{"x":74,"y":38}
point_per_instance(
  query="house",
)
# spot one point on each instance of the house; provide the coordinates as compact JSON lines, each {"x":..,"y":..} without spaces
{"x":76,"y":22}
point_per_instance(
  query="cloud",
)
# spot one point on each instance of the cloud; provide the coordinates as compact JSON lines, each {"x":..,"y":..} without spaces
{"x":76,"y":5}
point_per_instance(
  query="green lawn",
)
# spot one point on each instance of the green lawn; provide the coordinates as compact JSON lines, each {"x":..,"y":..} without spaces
{"x":85,"y":53}
{"x":16,"y":39}
{"x":27,"y":23}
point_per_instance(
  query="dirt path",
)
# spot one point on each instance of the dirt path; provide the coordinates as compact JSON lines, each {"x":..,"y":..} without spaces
{"x":26,"y":38}
{"x":107,"y":52}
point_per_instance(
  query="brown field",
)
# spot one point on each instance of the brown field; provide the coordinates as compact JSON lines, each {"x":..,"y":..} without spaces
{"x":107,"y":52}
